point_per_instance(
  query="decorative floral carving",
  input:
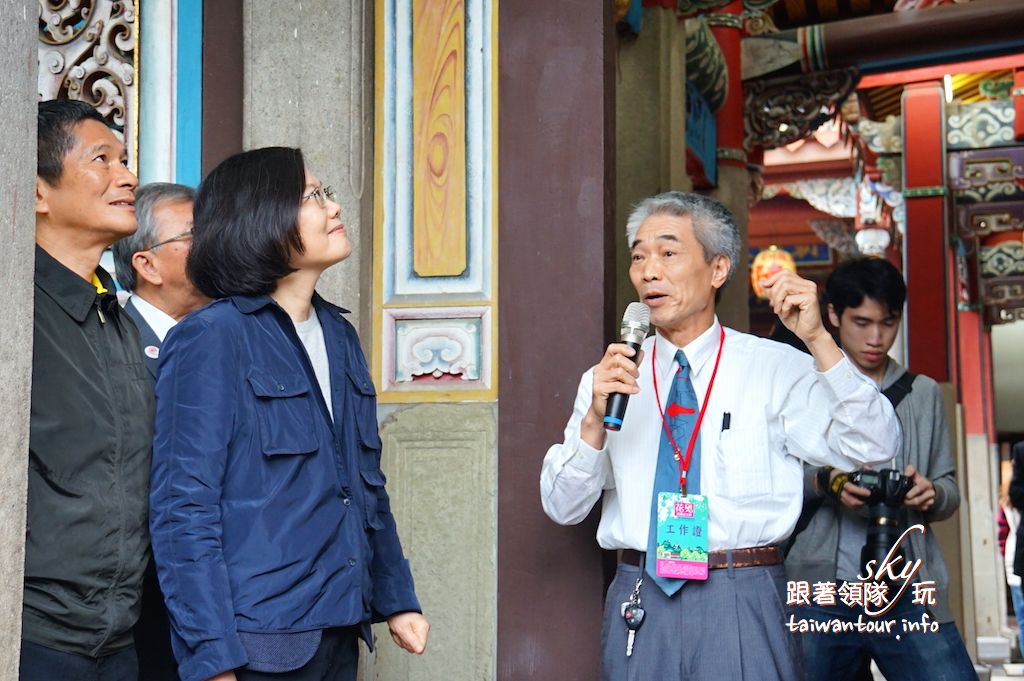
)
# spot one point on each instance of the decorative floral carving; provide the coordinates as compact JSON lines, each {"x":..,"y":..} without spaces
{"x":996,"y":89}
{"x":1002,"y":260}
{"x":783,"y":110}
{"x":835,"y":196}
{"x":687,"y":8}
{"x":980,"y":124}
{"x":891,"y":171}
{"x":990,"y":192}
{"x":838,"y":234}
{"x":984,"y":219}
{"x":756,"y":22}
{"x":87,"y":53}
{"x":1003,"y":298}
{"x":705,"y":64}
{"x":979,"y":167}
{"x":433,"y":348}
{"x":438,"y":350}
{"x":884,"y":137}
{"x":758,"y":5}
{"x":61,"y":21}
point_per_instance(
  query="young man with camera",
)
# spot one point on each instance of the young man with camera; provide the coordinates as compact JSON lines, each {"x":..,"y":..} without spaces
{"x":852,"y":517}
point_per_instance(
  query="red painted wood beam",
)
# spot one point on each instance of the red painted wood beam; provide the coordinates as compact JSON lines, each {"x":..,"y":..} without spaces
{"x":791,"y":172}
{"x":1018,"y":103}
{"x":924,"y":187}
{"x":727,"y":27}
{"x":926,"y":73}
{"x":783,"y":222}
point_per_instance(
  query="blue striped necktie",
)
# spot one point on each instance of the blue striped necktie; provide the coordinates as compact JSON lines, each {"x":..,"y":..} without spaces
{"x":681,"y":417}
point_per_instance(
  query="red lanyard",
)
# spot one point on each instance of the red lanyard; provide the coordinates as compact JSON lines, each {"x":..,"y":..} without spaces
{"x":684,"y":462}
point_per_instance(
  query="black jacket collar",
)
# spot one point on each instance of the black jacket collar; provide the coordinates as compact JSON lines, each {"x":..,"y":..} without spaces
{"x":75,"y":295}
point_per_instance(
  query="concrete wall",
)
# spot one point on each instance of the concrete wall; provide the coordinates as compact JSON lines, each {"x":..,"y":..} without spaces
{"x":17,"y":219}
{"x":650,"y":126}
{"x":308,"y":82}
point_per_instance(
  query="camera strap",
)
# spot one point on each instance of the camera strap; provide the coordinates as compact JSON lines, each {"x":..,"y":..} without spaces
{"x":900,"y":388}
{"x":895,"y":393}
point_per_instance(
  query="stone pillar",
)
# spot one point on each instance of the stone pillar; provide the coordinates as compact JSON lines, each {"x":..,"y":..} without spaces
{"x":650,"y":132}
{"x":18,"y":60}
{"x":309,"y":83}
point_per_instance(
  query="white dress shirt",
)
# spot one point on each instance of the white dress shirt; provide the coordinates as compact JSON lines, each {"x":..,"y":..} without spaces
{"x":781,"y":411}
{"x":158,"y":320}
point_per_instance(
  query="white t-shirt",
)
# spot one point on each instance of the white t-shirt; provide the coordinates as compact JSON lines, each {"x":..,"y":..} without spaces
{"x":312,"y":336}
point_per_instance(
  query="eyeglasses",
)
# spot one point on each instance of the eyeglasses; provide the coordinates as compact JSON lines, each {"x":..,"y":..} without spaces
{"x":184,"y":236}
{"x":322,"y":196}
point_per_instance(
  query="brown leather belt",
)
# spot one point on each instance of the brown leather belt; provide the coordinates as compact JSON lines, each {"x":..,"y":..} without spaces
{"x":749,"y":557}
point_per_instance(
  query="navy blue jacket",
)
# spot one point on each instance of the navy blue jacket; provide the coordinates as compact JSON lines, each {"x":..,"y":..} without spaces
{"x":266,"y":517}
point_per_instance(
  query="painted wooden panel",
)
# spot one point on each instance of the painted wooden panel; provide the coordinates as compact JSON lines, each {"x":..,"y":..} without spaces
{"x":435,"y":204}
{"x":439,"y":142}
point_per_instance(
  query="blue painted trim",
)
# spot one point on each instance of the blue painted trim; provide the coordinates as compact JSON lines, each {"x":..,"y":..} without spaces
{"x":189,"y":110}
{"x":613,"y":420}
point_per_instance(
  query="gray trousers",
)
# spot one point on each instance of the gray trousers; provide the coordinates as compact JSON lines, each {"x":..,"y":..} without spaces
{"x":729,"y":628}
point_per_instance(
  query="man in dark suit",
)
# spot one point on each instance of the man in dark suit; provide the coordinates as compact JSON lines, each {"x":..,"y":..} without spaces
{"x":151,"y":264}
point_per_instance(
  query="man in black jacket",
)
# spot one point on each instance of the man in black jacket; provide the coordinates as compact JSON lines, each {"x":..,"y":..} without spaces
{"x":91,"y":418}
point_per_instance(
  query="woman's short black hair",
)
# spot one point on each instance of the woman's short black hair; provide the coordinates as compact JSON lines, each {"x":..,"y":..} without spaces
{"x":245,"y":223}
{"x":855,"y":280}
{"x":55,"y":122}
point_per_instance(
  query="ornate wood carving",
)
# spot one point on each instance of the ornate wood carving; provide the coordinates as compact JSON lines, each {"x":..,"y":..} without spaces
{"x":983,"y":219}
{"x":980,"y":167}
{"x":1003,"y":299}
{"x":783,"y":110}
{"x":980,"y":124}
{"x":87,"y":51}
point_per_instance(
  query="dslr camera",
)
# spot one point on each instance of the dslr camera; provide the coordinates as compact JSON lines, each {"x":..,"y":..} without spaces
{"x":888,"y":487}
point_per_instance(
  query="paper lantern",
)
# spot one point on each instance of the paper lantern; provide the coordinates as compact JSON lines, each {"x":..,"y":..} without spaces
{"x":766,"y":263}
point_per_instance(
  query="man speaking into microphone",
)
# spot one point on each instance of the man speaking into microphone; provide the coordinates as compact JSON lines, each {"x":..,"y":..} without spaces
{"x":703,"y":479}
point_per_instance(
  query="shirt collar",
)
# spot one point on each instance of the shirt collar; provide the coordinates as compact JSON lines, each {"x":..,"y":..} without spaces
{"x":698,"y":351}
{"x":250,"y":304}
{"x":74,"y":295}
{"x":158,"y":320}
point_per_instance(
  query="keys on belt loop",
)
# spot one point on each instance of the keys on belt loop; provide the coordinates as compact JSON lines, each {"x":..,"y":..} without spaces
{"x":633,"y":615}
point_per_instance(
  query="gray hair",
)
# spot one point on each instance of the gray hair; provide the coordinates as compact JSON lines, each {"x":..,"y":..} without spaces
{"x":147,"y":198}
{"x":713,"y":224}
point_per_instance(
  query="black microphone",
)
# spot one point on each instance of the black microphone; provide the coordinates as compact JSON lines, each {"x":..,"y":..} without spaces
{"x":635,"y":323}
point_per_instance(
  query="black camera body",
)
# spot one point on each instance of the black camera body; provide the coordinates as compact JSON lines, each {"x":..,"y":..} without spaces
{"x":888,"y":487}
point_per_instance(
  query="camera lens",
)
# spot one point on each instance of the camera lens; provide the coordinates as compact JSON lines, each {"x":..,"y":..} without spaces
{"x":887,"y":488}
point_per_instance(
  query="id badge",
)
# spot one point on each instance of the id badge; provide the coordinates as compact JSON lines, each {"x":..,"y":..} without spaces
{"x":682,"y":536}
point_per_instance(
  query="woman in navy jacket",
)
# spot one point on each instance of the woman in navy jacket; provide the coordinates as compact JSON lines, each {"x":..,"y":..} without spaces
{"x":272,"y":530}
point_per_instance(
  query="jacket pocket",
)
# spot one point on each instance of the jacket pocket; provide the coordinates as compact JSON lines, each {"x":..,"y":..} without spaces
{"x":285,"y":414}
{"x":365,"y":397}
{"x":376,"y":498}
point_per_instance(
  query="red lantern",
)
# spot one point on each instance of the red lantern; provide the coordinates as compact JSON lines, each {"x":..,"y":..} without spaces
{"x":766,"y":263}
